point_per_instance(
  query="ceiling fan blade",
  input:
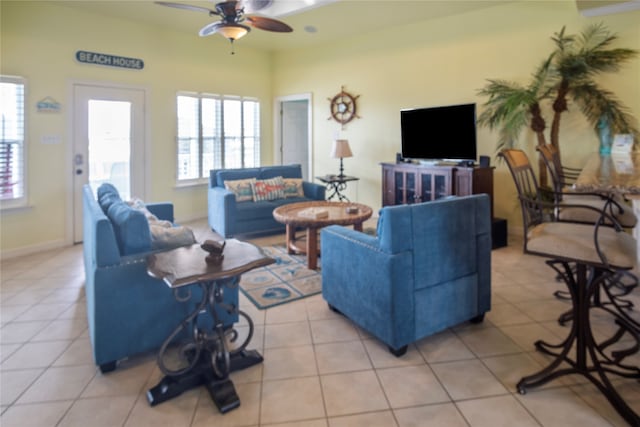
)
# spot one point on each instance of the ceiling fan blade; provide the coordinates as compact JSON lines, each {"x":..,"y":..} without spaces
{"x":251,"y":6}
{"x":209,"y":29}
{"x":187,"y":7}
{"x":268,"y":24}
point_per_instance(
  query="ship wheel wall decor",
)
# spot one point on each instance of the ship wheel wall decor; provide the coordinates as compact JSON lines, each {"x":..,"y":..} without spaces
{"x":343,"y":107}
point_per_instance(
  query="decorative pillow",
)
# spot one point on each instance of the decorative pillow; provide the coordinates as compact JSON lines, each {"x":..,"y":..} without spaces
{"x":166,"y":236}
{"x":139,"y":205}
{"x":293,"y":187}
{"x":242,"y":188}
{"x":268,"y":189}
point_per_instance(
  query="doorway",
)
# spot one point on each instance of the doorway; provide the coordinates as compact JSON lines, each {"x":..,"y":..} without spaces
{"x":108,"y":143}
{"x":293,"y":132}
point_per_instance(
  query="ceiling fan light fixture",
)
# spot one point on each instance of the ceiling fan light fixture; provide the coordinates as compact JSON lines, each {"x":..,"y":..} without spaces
{"x":233,"y":31}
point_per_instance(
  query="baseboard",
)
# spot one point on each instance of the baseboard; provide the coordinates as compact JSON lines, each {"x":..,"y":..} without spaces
{"x":32,"y":249}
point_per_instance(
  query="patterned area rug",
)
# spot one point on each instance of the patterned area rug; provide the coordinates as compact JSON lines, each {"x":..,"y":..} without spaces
{"x":288,"y":279}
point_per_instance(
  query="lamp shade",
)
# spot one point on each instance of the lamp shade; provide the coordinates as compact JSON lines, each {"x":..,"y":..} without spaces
{"x":340,"y":149}
{"x":233,"y":31}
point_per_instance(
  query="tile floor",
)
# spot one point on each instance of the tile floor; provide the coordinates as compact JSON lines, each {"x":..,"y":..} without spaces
{"x":319,"y":369}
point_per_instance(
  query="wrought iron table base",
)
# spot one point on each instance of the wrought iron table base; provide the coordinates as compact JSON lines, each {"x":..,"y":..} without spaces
{"x":209,"y":361}
{"x":590,"y":358}
{"x":221,"y":390}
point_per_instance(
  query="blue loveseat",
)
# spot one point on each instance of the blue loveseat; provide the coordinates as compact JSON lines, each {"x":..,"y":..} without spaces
{"x":128,"y":311}
{"x":229,"y":217}
{"x":428,"y":268}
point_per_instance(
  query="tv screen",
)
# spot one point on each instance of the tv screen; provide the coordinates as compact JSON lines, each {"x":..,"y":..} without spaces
{"x":439,"y":133}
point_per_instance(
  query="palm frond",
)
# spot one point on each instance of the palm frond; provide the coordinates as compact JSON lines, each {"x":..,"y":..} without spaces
{"x":595,"y":102}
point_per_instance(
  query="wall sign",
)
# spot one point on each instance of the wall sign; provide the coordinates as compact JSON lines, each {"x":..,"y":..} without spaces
{"x":109,"y":60}
{"x":48,"y":105}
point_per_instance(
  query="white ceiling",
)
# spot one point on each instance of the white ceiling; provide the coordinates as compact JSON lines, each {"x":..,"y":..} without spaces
{"x":333,"y":20}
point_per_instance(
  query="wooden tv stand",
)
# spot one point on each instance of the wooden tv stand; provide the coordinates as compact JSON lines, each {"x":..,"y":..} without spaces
{"x":404,"y":183}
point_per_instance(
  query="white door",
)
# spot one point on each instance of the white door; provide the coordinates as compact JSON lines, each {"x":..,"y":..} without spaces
{"x":295,"y":133}
{"x":108,"y":143}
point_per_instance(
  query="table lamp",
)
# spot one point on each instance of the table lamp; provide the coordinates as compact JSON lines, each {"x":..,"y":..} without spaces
{"x":340,"y":150}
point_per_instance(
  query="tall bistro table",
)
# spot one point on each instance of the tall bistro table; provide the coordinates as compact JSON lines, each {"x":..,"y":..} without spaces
{"x":615,"y":173}
{"x":209,"y":358}
{"x":580,"y":353}
{"x":295,"y":215}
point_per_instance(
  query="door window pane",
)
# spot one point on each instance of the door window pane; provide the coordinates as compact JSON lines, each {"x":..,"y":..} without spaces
{"x":110,"y":145}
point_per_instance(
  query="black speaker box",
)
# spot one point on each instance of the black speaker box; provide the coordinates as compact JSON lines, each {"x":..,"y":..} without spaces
{"x":498,"y":233}
{"x":485,"y":161}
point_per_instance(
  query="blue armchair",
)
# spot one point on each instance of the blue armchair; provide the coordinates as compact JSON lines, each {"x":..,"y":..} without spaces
{"x":428,"y":269}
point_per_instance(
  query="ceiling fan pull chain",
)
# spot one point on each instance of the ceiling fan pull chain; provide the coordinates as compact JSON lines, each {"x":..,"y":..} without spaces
{"x":233,"y":48}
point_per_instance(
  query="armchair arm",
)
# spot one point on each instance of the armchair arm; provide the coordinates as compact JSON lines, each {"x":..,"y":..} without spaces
{"x":313,"y":191}
{"x":382,"y":286}
{"x":163,"y":210}
{"x":222,"y":210}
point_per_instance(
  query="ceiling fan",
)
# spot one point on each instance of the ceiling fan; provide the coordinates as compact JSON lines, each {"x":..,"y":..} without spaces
{"x":232,"y":17}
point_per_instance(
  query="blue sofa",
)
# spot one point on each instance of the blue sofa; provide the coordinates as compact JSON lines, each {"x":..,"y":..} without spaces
{"x":428,"y":268}
{"x":128,"y":311}
{"x":229,"y":217}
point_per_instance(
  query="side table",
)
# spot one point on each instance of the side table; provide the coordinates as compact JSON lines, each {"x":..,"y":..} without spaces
{"x":208,"y":360}
{"x":336,"y":184}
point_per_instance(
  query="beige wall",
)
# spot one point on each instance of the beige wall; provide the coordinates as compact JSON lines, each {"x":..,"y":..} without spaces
{"x":436,"y":62}
{"x":39,"y":41}
{"x":443,"y":62}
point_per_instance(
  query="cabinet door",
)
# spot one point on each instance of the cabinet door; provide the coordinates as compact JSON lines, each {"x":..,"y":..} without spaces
{"x":405,"y":187}
{"x":434,"y":184}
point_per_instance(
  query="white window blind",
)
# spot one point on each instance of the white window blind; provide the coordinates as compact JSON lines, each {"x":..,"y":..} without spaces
{"x":216,"y":132}
{"x":12,"y":167}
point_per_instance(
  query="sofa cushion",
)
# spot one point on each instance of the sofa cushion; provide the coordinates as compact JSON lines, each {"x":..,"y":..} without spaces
{"x":285,"y":171}
{"x":130,"y":227}
{"x":255,"y":210}
{"x":107,"y":195}
{"x":293,"y":187}
{"x":242,"y":188}
{"x":235,"y":174}
{"x":268,"y":189}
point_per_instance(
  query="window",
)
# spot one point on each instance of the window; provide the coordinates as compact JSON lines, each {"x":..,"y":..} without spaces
{"x":12,"y":170}
{"x":216,"y":132}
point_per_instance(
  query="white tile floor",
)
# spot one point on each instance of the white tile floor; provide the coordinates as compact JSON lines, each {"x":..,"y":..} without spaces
{"x":319,"y":369}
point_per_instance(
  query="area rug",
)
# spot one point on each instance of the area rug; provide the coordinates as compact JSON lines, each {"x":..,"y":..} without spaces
{"x":286,"y":280}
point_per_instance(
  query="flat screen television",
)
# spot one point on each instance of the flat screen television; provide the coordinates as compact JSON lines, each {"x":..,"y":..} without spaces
{"x":439,"y":133}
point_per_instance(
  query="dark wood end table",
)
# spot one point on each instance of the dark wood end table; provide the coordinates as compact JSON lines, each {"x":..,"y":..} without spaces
{"x":336,"y":184}
{"x":209,"y":358}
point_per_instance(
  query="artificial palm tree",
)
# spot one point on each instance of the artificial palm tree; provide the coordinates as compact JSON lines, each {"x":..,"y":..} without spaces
{"x":567,"y":74}
{"x":512,"y":107}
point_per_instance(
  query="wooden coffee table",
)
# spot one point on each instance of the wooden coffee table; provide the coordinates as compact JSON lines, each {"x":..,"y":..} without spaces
{"x":292,"y":215}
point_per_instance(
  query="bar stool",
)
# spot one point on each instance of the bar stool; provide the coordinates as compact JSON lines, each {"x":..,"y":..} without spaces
{"x":586,"y":257}
{"x":614,"y":203}
{"x":562,"y":194}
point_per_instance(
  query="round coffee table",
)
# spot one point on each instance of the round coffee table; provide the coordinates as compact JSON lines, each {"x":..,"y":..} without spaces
{"x":315,"y":215}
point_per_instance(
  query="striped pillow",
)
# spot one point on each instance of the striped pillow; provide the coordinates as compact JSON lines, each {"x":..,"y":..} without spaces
{"x":268,"y":189}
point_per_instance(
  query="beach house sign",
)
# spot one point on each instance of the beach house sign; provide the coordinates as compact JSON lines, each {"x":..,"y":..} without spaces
{"x":109,"y":60}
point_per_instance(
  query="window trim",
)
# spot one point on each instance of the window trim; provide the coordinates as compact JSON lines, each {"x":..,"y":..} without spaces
{"x":190,"y":182}
{"x":20,"y":202}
